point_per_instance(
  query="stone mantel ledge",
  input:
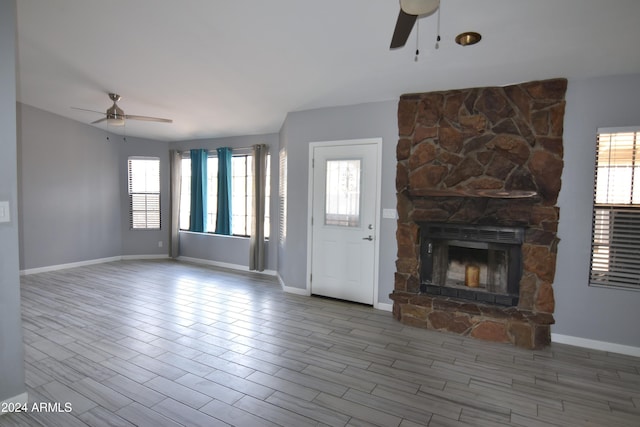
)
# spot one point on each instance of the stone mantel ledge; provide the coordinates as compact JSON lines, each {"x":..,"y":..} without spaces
{"x":489,"y":194}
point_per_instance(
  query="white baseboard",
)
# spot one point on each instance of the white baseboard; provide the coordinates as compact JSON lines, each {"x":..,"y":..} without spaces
{"x":69,"y":265}
{"x":292,"y":290}
{"x":21,"y":399}
{"x":150,"y":256}
{"x":383,"y":306}
{"x":89,"y":262}
{"x":225,"y":265}
{"x":140,"y":257}
{"x":596,"y":345}
{"x":297,"y":291}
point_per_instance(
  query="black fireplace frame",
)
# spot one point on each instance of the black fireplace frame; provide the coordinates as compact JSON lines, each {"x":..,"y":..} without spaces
{"x":490,"y":237}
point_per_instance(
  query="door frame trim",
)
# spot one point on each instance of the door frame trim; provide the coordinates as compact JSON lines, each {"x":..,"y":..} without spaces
{"x":378,"y":200}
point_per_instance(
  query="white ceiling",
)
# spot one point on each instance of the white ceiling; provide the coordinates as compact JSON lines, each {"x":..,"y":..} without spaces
{"x":237,"y":67}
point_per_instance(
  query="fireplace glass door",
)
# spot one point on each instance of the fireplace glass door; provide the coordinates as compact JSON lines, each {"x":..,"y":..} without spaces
{"x":476,"y":265}
{"x":471,"y":262}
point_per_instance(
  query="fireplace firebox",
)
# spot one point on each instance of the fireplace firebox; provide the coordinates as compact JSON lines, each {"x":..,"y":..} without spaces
{"x":473,"y":262}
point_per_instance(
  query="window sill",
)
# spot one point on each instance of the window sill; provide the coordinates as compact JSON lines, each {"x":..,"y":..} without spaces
{"x":266,"y":239}
{"x":214,"y":234}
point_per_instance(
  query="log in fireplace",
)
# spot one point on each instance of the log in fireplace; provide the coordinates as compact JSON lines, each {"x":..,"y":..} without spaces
{"x":473,"y":262}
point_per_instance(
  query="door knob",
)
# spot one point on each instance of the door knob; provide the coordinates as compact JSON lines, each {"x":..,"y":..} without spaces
{"x":369,"y":238}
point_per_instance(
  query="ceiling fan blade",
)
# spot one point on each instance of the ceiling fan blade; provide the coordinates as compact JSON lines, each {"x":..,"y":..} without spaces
{"x":147,"y":119}
{"x":84,"y":109}
{"x":99,"y":120}
{"x":404,"y":25}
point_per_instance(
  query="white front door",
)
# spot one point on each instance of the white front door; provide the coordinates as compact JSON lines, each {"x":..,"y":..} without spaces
{"x":344,"y":221}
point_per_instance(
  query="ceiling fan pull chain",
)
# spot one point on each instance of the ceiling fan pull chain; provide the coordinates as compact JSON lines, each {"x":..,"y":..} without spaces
{"x":438,"y":36}
{"x":417,"y":40}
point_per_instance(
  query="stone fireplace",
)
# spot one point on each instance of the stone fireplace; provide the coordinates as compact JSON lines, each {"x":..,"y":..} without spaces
{"x":478,"y":176}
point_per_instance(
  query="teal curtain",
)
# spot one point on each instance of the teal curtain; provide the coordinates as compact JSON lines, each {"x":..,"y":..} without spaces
{"x":223,"y":220}
{"x":198,"y":218}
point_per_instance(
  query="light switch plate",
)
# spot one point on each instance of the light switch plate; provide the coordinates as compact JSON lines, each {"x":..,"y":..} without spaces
{"x":389,"y":213}
{"x":4,"y":211}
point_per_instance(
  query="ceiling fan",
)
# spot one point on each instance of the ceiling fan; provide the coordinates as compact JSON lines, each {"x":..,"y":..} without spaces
{"x":409,"y":12}
{"x":115,"y":116}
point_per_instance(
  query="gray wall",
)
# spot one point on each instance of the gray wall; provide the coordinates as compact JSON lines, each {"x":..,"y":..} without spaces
{"x":225,"y":249}
{"x":11,"y":350}
{"x":143,"y":242}
{"x":609,"y":315}
{"x":70,"y":192}
{"x":373,"y":120}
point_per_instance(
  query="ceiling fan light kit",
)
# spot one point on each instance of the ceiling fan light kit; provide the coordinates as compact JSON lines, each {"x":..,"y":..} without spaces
{"x":419,"y":7}
{"x":409,"y":12}
{"x":114,"y":121}
{"x":115,"y":114}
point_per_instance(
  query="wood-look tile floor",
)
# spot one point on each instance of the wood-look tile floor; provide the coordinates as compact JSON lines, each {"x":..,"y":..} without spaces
{"x":163,"y":343}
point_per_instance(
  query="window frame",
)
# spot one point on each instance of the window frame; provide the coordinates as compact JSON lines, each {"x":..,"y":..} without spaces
{"x":236,"y":152}
{"x":615,"y":225}
{"x":246,"y":174}
{"x":146,"y":193}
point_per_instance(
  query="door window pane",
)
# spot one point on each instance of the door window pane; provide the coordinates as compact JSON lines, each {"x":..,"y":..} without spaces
{"x":342,"y":205}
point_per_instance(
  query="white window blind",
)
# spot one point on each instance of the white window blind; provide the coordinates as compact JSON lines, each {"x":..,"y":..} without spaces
{"x":282,"y":196}
{"x":615,"y":249}
{"x":144,"y":193}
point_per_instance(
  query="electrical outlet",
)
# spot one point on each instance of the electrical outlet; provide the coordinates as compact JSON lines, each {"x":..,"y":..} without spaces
{"x":160,"y":244}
